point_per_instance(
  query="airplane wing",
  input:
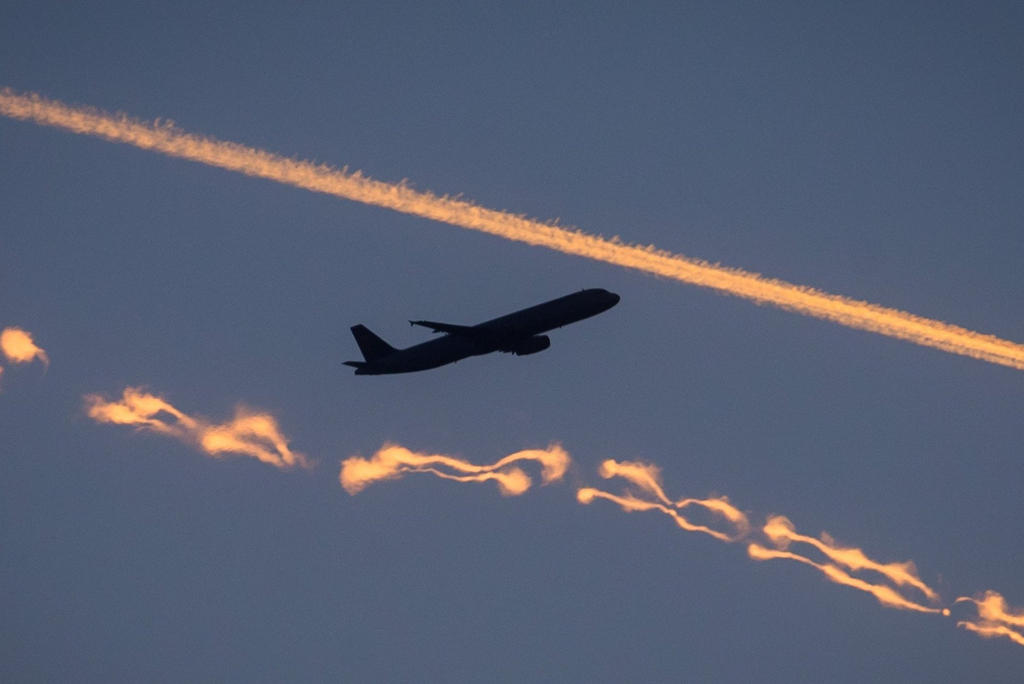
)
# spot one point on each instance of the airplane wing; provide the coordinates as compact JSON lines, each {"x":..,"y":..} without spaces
{"x":464,"y":330}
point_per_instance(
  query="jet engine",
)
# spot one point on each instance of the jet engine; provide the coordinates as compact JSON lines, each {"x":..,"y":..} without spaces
{"x":531,"y":345}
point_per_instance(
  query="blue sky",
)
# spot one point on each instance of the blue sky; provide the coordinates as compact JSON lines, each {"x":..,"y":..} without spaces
{"x":865,"y":150}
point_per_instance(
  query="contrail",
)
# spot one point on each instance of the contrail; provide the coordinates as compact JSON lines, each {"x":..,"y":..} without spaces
{"x":392,"y":461}
{"x":257,"y":435}
{"x":995,"y":619}
{"x":894,"y":585}
{"x":647,"y":478}
{"x":167,"y":139}
{"x":780,"y":530}
{"x":248,"y":433}
{"x":885,"y":595}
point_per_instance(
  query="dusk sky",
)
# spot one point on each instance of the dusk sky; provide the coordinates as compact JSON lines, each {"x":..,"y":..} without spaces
{"x":170,"y":501}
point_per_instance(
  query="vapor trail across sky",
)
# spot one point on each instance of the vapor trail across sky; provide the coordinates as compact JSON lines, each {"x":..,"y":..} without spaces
{"x":894,"y":585}
{"x":354,"y":186}
{"x":249,"y":433}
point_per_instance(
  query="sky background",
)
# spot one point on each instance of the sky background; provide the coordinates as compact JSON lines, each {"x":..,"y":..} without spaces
{"x":867,"y":150}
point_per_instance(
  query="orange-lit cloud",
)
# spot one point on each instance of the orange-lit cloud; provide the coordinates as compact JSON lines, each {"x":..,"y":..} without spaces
{"x":995,"y":618}
{"x":19,"y":347}
{"x":647,"y":478}
{"x":171,"y":141}
{"x":248,"y":434}
{"x":393,"y":461}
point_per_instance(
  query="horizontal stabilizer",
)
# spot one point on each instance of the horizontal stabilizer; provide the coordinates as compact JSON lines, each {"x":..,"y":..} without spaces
{"x":464,"y":330}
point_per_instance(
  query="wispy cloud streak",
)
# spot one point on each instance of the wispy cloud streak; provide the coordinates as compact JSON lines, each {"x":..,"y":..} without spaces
{"x":167,"y":139}
{"x":393,"y":461}
{"x":249,"y":433}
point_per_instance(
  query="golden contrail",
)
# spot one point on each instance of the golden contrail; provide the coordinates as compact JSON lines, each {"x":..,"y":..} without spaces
{"x":648,"y":478}
{"x":781,"y":532}
{"x":886,"y":595}
{"x":167,"y":139}
{"x":778,"y":530}
{"x":257,"y":435}
{"x":646,"y":493}
{"x":995,"y":618}
{"x":19,"y":347}
{"x":248,"y":433}
{"x":392,"y":461}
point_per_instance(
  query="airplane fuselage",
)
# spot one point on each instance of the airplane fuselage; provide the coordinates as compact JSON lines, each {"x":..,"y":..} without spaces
{"x":519,"y":333}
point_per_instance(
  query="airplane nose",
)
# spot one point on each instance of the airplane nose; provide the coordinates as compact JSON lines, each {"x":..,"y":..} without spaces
{"x":612,"y":298}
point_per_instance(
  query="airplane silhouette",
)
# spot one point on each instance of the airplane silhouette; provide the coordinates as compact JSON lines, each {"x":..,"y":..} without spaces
{"x":517,"y":333}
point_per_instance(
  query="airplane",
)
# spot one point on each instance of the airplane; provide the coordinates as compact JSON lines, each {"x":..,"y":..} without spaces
{"x":517,"y":333}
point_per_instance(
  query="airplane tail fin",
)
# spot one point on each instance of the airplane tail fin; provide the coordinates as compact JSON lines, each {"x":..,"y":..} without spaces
{"x":373,"y":347}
